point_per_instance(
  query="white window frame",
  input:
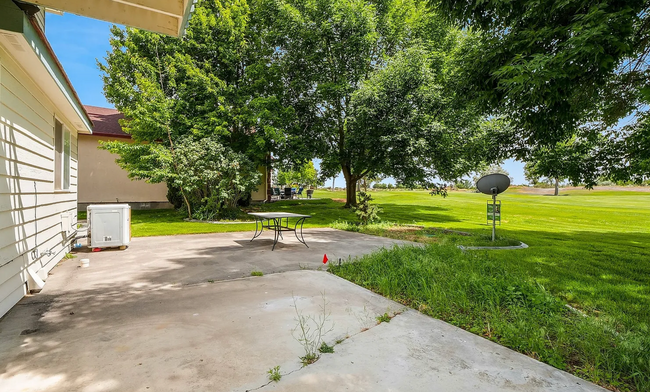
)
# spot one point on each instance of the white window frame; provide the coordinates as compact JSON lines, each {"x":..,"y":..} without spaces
{"x":62,"y":156}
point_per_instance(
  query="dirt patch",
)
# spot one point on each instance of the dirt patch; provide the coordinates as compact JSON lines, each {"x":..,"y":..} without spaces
{"x":404,"y":229}
{"x":419,"y":238}
{"x":339,"y":200}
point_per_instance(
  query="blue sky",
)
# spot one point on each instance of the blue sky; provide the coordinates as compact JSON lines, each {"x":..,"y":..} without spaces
{"x":79,"y":42}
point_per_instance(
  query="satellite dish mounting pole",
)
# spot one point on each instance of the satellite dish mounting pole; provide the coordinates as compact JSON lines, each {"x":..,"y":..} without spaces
{"x":494,"y":215}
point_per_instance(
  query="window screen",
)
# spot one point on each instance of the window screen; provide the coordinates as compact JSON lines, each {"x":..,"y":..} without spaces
{"x":66,"y":159}
{"x":62,"y":149}
{"x":58,"y":155}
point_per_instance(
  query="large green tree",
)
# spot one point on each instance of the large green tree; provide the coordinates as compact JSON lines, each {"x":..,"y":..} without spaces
{"x":326,"y":50}
{"x":303,"y":175}
{"x":627,"y":152}
{"x":577,"y":160}
{"x":216,"y":83}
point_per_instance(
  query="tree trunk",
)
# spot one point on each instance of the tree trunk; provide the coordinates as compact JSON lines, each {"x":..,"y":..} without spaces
{"x":350,"y":188}
{"x":557,"y":186}
{"x":351,"y":194}
{"x":187,"y":203}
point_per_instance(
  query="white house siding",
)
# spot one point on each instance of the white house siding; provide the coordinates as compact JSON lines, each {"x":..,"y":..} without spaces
{"x":40,"y":18}
{"x":31,"y":209}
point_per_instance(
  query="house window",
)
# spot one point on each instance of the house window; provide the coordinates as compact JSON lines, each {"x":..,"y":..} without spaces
{"x":62,"y":146}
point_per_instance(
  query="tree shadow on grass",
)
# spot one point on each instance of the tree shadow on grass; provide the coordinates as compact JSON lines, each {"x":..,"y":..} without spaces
{"x":416,"y":213}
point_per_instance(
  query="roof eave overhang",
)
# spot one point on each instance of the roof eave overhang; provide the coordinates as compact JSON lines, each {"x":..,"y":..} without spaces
{"x":169,"y":17}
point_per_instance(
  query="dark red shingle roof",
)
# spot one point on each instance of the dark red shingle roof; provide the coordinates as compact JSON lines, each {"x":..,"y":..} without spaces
{"x":106,"y":121}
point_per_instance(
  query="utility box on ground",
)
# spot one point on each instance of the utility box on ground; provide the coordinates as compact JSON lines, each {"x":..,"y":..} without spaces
{"x":109,"y":225}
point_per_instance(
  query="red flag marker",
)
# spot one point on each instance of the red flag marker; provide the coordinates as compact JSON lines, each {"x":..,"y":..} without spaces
{"x":325,"y":259}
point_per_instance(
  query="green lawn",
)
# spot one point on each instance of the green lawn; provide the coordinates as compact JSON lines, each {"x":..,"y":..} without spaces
{"x":589,"y":249}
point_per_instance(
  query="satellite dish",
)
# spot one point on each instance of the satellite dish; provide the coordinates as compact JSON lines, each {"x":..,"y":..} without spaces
{"x":493,"y":184}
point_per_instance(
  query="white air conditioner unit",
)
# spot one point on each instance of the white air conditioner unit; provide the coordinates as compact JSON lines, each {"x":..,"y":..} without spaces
{"x":109,"y":225}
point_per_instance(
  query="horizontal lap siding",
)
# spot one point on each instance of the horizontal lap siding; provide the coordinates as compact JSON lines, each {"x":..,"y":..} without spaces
{"x":30,"y":207}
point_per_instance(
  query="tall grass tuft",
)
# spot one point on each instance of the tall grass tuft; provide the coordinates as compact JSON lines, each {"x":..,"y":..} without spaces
{"x":473,"y":291}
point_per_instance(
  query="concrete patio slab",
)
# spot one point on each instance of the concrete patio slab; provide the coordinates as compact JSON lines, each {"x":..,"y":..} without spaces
{"x":188,"y":259}
{"x":417,"y":353}
{"x":148,"y":320}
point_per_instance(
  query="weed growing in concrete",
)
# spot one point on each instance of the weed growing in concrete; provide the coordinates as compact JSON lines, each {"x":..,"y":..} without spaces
{"x":257,"y":273}
{"x":326,"y":348}
{"x":310,"y":330}
{"x":69,"y":256}
{"x":365,"y":318}
{"x":384,"y":318}
{"x":210,"y":280}
{"x":309,"y":359}
{"x":274,"y":374}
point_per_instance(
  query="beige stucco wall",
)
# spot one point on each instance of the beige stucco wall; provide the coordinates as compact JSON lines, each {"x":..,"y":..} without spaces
{"x":101,"y":180}
{"x":260,"y":193}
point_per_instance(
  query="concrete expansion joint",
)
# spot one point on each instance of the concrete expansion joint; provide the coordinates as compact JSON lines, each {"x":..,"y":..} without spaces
{"x":270,"y":382}
{"x":379,"y":322}
{"x":394,"y":314}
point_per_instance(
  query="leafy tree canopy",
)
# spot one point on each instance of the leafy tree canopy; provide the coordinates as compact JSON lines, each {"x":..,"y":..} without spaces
{"x":557,"y":69}
{"x":327,"y":49}
{"x":576,"y":160}
{"x":406,"y":122}
{"x":548,"y":64}
{"x":627,"y":152}
{"x":305,"y":175}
